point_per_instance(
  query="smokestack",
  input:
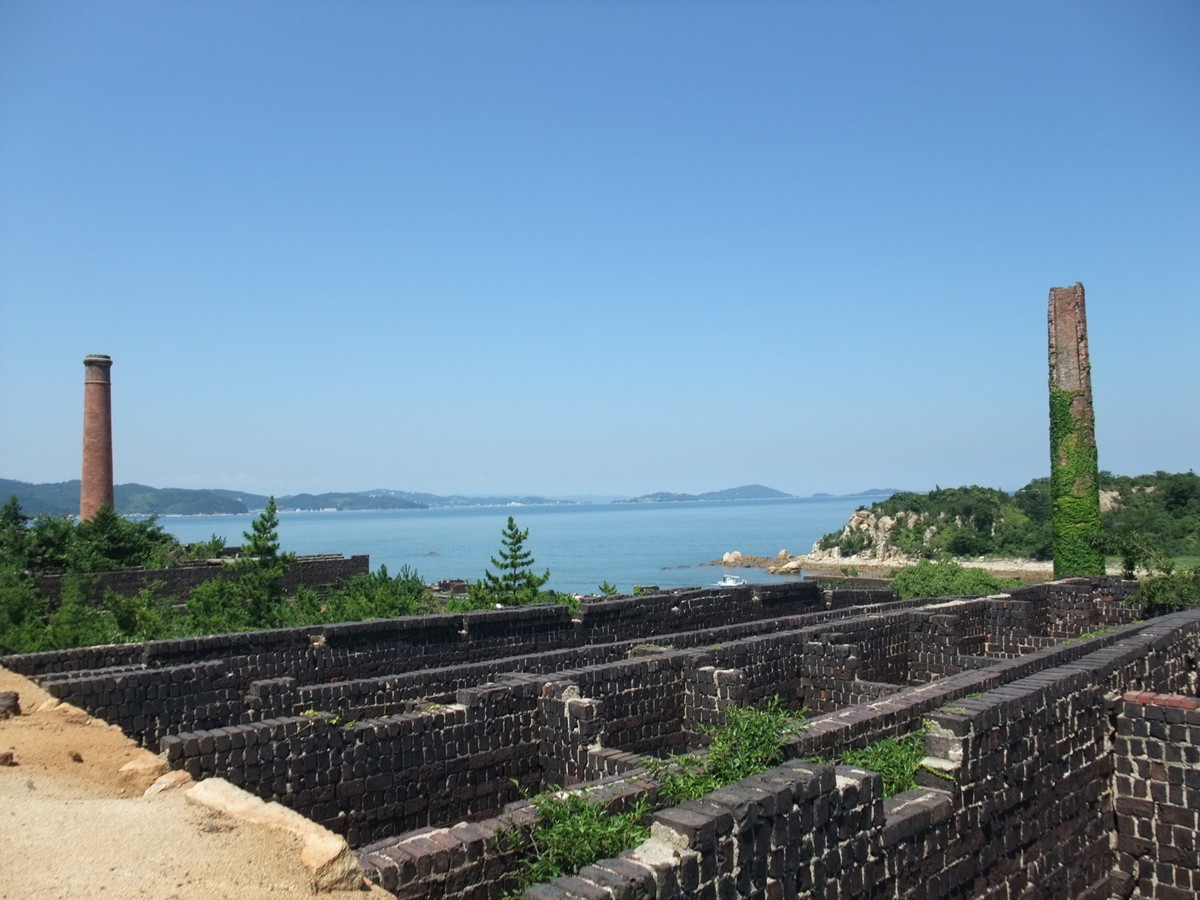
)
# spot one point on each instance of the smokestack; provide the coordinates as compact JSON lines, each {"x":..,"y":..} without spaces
{"x":1074,"y":469}
{"x":96,"y":485}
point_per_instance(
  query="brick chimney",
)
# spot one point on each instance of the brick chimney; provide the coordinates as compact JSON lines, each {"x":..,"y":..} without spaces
{"x":1074,"y":468}
{"x":96,"y":485}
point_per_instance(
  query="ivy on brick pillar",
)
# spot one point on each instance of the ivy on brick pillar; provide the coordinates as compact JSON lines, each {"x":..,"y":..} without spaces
{"x":1074,"y":472}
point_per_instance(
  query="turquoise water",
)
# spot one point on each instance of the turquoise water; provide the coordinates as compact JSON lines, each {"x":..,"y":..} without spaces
{"x":666,"y":544}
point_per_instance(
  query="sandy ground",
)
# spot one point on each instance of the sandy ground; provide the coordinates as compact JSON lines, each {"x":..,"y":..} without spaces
{"x":75,"y":826}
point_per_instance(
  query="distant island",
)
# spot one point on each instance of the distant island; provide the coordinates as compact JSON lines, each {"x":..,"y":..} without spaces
{"x":745,"y":492}
{"x":869,"y":492}
{"x":62,"y":499}
{"x":750,"y":492}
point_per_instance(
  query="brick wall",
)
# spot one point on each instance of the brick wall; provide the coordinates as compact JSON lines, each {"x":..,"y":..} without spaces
{"x":315,"y":572}
{"x":449,"y":710}
{"x":1026,"y":809}
{"x":380,"y":777}
{"x":1157,"y":786}
{"x":95,"y":678}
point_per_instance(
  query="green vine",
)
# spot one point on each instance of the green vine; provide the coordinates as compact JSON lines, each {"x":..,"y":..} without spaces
{"x":574,"y":831}
{"x":1075,"y":492}
{"x":751,"y":741}
{"x":896,"y":759}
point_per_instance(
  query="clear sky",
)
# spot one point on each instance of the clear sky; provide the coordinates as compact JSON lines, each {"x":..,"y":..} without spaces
{"x":594,"y":247}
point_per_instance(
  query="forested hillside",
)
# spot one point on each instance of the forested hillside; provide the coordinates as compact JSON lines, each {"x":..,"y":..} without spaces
{"x":62,"y":499}
{"x":1159,"y":511}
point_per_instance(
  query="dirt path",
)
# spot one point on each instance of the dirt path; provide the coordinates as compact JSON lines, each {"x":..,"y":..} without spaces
{"x":75,"y":826}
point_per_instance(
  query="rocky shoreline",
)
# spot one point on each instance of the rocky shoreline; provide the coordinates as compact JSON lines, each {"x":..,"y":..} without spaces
{"x":878,"y":556}
{"x":784,"y":563}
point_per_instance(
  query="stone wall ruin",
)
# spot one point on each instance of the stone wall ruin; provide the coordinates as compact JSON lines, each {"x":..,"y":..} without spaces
{"x":419,"y":738}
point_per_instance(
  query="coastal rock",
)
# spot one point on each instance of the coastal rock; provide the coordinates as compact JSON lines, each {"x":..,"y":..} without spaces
{"x":872,"y":534}
{"x":732,"y":558}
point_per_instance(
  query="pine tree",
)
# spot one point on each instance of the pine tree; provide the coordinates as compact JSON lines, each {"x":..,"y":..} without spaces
{"x":517,"y":584}
{"x":262,"y":540}
{"x":259,"y":585}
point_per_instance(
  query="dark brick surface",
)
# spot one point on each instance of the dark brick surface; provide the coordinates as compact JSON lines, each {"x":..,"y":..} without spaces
{"x":392,"y":732}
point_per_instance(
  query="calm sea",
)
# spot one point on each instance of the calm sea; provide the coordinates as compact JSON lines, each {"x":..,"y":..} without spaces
{"x":664,"y":544}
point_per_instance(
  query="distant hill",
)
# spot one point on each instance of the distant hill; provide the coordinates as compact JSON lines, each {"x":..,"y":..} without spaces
{"x":141,"y":500}
{"x":436,"y":500}
{"x":62,"y":499}
{"x":57,"y":499}
{"x":660,"y":497}
{"x":745,"y":492}
{"x":367,"y":500}
{"x":869,"y":492}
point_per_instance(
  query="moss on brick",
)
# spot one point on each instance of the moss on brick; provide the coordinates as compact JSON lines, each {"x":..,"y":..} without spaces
{"x":1074,"y":490}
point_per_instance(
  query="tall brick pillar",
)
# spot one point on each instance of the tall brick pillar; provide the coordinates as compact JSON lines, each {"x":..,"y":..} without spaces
{"x":1074,"y":471}
{"x":96,"y":485}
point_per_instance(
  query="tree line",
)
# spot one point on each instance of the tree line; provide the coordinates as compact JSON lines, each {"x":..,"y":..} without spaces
{"x":1147,"y":517}
{"x":248,"y":594}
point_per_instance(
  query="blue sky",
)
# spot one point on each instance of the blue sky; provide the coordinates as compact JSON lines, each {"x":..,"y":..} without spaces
{"x":594,"y":248}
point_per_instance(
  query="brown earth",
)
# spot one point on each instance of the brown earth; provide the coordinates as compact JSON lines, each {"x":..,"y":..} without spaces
{"x":75,"y":826}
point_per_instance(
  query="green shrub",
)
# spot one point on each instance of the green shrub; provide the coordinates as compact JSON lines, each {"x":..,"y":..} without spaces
{"x":372,"y":595}
{"x":896,"y":759}
{"x":23,"y":613}
{"x":946,"y":578}
{"x":574,"y":831}
{"x":751,"y":741}
{"x":1171,"y":591}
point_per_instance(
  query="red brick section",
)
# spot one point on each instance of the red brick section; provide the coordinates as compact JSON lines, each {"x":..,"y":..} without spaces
{"x":1070,"y":369}
{"x":1175,"y":701}
{"x":96,"y":484}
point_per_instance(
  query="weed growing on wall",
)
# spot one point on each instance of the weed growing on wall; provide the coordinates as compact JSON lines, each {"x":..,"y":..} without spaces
{"x":896,"y":759}
{"x":574,"y":831}
{"x":751,"y":741}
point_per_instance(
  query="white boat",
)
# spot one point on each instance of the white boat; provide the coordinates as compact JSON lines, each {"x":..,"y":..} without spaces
{"x":731,"y":581}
